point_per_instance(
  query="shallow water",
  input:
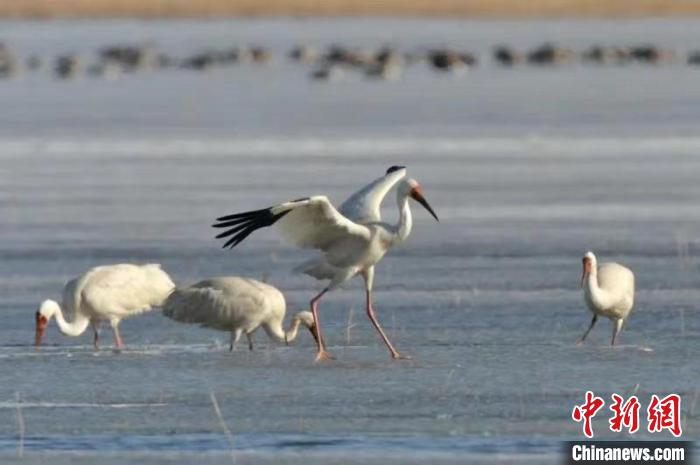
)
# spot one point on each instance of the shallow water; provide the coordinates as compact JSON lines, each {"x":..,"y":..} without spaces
{"x":527,"y":169}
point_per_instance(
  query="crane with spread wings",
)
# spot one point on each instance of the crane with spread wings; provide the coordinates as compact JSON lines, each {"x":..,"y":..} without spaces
{"x":351,"y":239}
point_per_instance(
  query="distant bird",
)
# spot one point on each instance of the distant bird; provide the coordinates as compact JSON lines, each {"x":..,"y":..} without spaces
{"x":549,"y":54}
{"x":105,"y":293}
{"x":506,"y":56}
{"x":351,"y":240}
{"x":304,"y":54}
{"x":608,"y":290}
{"x":651,"y":54}
{"x":260,"y":54}
{"x":449,"y":60}
{"x":238,"y":305}
{"x":200,"y":61}
{"x":128,"y":57}
{"x":605,"y":55}
{"x":67,"y":66}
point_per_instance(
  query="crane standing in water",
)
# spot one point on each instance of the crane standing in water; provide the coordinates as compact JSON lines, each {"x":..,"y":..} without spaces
{"x":351,"y":239}
{"x":105,"y":293}
{"x":608,"y":290}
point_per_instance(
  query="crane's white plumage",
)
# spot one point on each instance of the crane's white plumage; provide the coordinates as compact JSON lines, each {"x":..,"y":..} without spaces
{"x":105,"y":293}
{"x":608,"y":290}
{"x":364,"y":206}
{"x":350,"y":240}
{"x":236,"y":304}
{"x":315,"y":223}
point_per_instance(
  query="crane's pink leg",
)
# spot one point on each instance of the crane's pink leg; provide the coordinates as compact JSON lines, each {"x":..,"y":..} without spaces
{"x":117,"y":338}
{"x":322,"y":353}
{"x":370,"y":313}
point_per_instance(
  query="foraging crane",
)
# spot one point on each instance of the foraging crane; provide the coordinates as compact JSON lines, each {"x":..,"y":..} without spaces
{"x":351,"y":240}
{"x":236,"y":304}
{"x":105,"y":293}
{"x":608,"y":290}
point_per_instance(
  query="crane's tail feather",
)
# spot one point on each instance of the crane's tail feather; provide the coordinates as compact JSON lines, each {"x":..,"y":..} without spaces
{"x":317,"y":268}
{"x":242,"y":225}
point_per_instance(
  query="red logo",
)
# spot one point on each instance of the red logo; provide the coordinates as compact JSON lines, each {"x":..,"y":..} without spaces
{"x":587,"y":411}
{"x":626,"y":414}
{"x":662,"y":414}
{"x":665,"y":414}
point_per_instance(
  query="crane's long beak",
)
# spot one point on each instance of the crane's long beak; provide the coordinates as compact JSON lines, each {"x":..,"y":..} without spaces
{"x":418,"y":197}
{"x":41,"y":323}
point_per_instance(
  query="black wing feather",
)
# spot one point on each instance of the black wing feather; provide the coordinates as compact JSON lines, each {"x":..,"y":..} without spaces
{"x":243,"y":224}
{"x":233,"y":230}
{"x":236,"y":216}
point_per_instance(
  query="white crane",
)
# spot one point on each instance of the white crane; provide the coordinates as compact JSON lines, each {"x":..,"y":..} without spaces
{"x":105,"y":293}
{"x":608,"y":290}
{"x":236,"y":304}
{"x":351,"y":240}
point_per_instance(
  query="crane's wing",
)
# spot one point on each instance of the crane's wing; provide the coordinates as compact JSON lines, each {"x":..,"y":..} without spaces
{"x":194,"y":305}
{"x":224,"y":302}
{"x":364,"y":205}
{"x":615,"y":277}
{"x":312,"y":222}
{"x":126,"y":289}
{"x":213,"y":308}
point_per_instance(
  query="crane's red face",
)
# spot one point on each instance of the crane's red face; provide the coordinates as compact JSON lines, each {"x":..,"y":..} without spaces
{"x":417,"y":195}
{"x":41,"y":323}
{"x":587,"y":265}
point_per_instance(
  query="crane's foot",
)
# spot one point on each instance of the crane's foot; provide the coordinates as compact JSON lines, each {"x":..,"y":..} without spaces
{"x":398,"y":356}
{"x":323,"y":355}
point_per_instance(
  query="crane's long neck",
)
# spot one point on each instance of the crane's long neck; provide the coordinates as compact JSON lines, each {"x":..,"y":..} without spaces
{"x":405,"y":223}
{"x":72,"y":328}
{"x":598,"y":296}
{"x":276,"y":331}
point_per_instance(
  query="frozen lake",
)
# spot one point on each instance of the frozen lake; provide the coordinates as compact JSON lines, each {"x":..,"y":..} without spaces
{"x":526,"y":168}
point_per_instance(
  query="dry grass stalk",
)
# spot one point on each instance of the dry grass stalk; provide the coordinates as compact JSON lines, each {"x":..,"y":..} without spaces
{"x":224,"y":426}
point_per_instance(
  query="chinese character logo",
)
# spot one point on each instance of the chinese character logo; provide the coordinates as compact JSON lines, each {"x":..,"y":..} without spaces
{"x":665,"y":414}
{"x":626,"y":414}
{"x":662,"y":414}
{"x":587,"y":411}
